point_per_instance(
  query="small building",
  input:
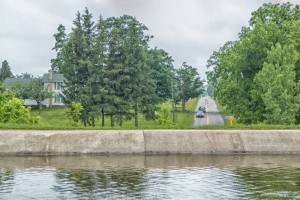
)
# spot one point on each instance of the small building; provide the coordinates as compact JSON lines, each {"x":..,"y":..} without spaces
{"x":52,"y":81}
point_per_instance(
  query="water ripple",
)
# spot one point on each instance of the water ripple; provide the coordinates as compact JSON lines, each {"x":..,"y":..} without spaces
{"x":187,"y":180}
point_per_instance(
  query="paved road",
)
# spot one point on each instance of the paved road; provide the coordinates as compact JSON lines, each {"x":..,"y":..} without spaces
{"x":212,"y":115}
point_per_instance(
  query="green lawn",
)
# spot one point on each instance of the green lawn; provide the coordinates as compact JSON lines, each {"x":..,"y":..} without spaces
{"x":54,"y":118}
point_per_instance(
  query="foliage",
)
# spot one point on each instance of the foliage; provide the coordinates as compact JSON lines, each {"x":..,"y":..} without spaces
{"x":162,"y":72}
{"x":162,"y":117}
{"x":191,"y":104}
{"x":12,"y":109}
{"x":60,"y":38}
{"x":280,"y":93}
{"x":210,"y":90}
{"x":189,"y":84}
{"x":106,"y":68}
{"x":237,"y":63}
{"x":25,"y":75}
{"x":5,"y":71}
{"x":55,"y":118}
{"x":34,"y":89}
{"x":110,"y":69}
{"x":74,"y":113}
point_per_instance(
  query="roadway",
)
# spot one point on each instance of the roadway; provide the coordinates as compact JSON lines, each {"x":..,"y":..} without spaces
{"x":212,"y":116}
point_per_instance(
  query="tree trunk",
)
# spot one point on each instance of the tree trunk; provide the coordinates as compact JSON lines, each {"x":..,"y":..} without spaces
{"x":102,"y":113}
{"x":93,"y":121}
{"x":183,"y":105}
{"x":120,"y":120}
{"x":136,"y":123}
{"x":39,"y":106}
{"x":173,"y":106}
{"x":111,"y":120}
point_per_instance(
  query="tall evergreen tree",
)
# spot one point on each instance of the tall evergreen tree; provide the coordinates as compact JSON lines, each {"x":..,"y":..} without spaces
{"x":96,"y":80}
{"x":77,"y":63}
{"x":141,"y":85}
{"x":60,"y":41}
{"x":87,"y":66}
{"x":116,"y":75}
{"x":5,"y":71}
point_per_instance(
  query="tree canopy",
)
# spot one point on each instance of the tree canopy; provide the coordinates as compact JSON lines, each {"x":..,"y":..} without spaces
{"x":110,"y":69}
{"x":240,"y":68}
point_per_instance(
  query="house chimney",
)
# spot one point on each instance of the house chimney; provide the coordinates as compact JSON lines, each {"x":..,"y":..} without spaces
{"x":50,"y":74}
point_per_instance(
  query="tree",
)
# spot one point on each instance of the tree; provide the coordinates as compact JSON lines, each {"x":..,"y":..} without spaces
{"x":162,"y":72}
{"x":280,"y":93}
{"x":33,"y":89}
{"x":60,"y":40}
{"x":141,"y":86}
{"x":77,"y":63}
{"x":25,"y":75}
{"x":74,"y":113}
{"x":115,"y":75}
{"x":189,"y":84}
{"x":210,"y":90}
{"x":236,"y":64}
{"x":106,"y":68}
{"x":97,"y":78}
{"x":5,"y":71}
{"x":37,"y":91}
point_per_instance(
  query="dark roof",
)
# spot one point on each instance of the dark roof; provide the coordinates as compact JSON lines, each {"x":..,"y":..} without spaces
{"x":55,"y":78}
{"x":9,"y":82}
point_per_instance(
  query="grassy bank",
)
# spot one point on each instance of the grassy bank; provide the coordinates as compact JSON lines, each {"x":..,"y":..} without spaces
{"x":54,"y":118}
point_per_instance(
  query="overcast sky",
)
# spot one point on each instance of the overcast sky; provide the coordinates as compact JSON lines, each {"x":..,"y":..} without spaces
{"x":189,"y":30}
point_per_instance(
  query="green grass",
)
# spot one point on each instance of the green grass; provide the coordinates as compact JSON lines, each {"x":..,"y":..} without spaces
{"x":191,"y":104}
{"x":54,"y":118}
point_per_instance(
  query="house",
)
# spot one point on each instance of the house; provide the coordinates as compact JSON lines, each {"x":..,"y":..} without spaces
{"x":52,"y":81}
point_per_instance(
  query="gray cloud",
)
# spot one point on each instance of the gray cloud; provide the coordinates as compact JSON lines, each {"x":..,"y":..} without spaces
{"x":189,"y":30}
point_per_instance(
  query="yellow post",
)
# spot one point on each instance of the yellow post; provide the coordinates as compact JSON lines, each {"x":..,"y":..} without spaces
{"x":230,"y":120}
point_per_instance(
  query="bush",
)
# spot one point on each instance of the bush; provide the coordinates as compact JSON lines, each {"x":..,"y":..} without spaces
{"x":74,"y":112}
{"x":162,"y":117}
{"x":12,"y":109}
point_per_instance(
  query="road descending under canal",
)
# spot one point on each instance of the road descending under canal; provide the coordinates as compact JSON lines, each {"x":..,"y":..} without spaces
{"x":212,"y":116}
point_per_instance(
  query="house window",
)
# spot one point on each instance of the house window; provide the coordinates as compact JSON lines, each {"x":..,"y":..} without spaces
{"x":57,"y":98}
{"x":57,"y":85}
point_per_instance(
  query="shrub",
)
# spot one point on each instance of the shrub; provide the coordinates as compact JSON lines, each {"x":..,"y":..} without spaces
{"x":74,"y":112}
{"x":162,"y":117}
{"x":12,"y":109}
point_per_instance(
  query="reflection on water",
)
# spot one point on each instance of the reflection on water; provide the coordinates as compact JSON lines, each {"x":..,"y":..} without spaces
{"x":150,"y":177}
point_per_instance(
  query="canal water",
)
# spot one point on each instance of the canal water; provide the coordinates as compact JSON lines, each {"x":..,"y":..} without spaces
{"x":150,"y":177}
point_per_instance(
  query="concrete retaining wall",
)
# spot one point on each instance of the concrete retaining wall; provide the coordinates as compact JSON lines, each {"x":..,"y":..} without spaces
{"x":150,"y":142}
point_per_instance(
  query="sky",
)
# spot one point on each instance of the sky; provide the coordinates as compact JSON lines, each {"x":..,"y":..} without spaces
{"x":188,"y":30}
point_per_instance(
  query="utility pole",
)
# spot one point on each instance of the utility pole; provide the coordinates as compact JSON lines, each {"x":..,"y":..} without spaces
{"x":173,"y":111}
